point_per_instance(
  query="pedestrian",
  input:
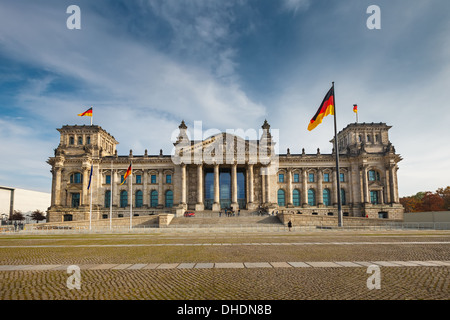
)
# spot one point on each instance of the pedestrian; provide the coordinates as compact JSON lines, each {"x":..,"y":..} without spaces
{"x":220,"y":212}
{"x":289,"y":225}
{"x":225,"y":212}
{"x":239,"y":212}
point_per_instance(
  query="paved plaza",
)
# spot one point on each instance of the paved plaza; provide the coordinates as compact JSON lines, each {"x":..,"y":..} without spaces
{"x":258,"y":266}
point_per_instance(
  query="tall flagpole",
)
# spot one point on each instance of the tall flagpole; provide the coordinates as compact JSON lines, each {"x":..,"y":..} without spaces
{"x":92,"y":115}
{"x":338,"y":175}
{"x":90,"y":202}
{"x":131,"y":196}
{"x":110,"y":198}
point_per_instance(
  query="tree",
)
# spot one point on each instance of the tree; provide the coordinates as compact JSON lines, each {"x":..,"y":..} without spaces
{"x":445,"y":195}
{"x":17,"y":215}
{"x":411,"y":204}
{"x":37,"y":215}
{"x":432,"y":202}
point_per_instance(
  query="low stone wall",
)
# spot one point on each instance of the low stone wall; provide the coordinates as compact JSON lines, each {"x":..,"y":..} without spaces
{"x":310,"y":220}
{"x":433,"y":216}
{"x":149,"y":221}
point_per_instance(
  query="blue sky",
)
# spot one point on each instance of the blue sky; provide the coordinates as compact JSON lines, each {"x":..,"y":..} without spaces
{"x":146,"y":65}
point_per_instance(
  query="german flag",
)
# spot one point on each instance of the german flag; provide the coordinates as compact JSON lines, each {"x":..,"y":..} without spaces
{"x":86,"y":113}
{"x":355,"y":108}
{"x":126,"y":174}
{"x":326,"y":108}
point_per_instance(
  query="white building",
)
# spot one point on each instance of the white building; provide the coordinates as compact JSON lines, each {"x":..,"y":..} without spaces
{"x":22,"y":200}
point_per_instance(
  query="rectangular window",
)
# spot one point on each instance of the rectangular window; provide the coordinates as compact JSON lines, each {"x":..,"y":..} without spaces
{"x":108,"y":179}
{"x":296,"y":177}
{"x":153,"y":178}
{"x":281,"y":177}
{"x":326,"y":177}
{"x":121,"y":178}
{"x":311,"y":177}
{"x":374,"y":197}
{"x":169,"y":178}
{"x":342,"y":177}
{"x":138,"y":179}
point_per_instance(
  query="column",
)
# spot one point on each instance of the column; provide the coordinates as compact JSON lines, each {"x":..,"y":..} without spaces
{"x":85,"y":200}
{"x":393,"y":184}
{"x":146,"y":193}
{"x":234,"y":204}
{"x":334,"y":193}
{"x":250,"y":183}
{"x":365,"y":185}
{"x":289,"y":189}
{"x":57,"y":191}
{"x":199,"y":206}
{"x":263,"y":186}
{"x":216,"y":204}
{"x":304,"y":188}
{"x":183,"y":183}
{"x":160,"y":188}
{"x":388,"y":187}
{"x":116,"y":195}
{"x":268,"y":185}
{"x":319,"y":188}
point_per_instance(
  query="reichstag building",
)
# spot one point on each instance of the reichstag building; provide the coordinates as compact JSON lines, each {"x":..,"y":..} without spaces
{"x":223,"y":171}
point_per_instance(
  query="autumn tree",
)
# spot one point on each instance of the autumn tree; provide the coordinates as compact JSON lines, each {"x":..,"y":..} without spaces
{"x":432,"y":202}
{"x":445,"y":195}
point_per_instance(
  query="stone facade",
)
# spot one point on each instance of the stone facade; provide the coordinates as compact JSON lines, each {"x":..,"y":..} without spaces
{"x":224,"y":170}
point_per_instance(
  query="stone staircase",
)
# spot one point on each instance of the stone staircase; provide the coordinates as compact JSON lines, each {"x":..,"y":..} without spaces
{"x":213,"y":219}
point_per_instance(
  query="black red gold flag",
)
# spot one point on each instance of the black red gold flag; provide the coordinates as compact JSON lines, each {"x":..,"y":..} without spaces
{"x":326,"y":108}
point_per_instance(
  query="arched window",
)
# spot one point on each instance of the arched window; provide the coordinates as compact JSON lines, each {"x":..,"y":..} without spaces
{"x":107,"y":198}
{"x":343,"y":200}
{"x":374,"y":175}
{"x":169,"y":199}
{"x":311,"y":197}
{"x":154,"y":199}
{"x":71,"y":141}
{"x":296,"y":197}
{"x":281,"y":198}
{"x":139,"y":199}
{"x":80,"y":140}
{"x":123,"y":198}
{"x":326,"y":197}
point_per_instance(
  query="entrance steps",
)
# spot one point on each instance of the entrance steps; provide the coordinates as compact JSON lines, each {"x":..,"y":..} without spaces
{"x":214,"y":219}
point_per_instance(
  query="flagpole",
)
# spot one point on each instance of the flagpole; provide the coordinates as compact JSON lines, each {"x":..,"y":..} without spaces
{"x":131,"y":196}
{"x":110,"y":198}
{"x":92,"y":115}
{"x":90,"y":202}
{"x":338,"y":175}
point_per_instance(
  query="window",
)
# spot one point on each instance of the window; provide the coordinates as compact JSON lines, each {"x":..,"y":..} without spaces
{"x":343,"y":200}
{"x":341,"y":177}
{"x":311,"y":197}
{"x":153,"y":178}
{"x":80,"y":140}
{"x":107,"y":198}
{"x":139,"y":199}
{"x":326,"y":197}
{"x":108,"y":179}
{"x":374,"y":197}
{"x":123,"y":199}
{"x":281,"y":198}
{"x":296,"y":177}
{"x":71,"y":141}
{"x":121,"y":178}
{"x":169,"y":178}
{"x":368,"y":138}
{"x":138,"y":179}
{"x":281,"y":177}
{"x":154,"y":199}
{"x":88,"y":140}
{"x":75,"y":200}
{"x":374,"y":175}
{"x":76,"y":178}
{"x":311,"y":177}
{"x":169,"y":198}
{"x":296,"y":197}
{"x":326,"y":177}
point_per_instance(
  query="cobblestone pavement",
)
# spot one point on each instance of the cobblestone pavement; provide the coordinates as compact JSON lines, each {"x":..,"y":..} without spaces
{"x":321,"y":265}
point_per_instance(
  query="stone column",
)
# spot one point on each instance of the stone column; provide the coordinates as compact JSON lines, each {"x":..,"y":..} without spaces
{"x":183,"y":183}
{"x":289,"y":189}
{"x":216,"y":204}
{"x":334,"y":193}
{"x":116,"y":195}
{"x":304,"y":188}
{"x":199,"y":206}
{"x":250,"y":184}
{"x":234,"y":204}
{"x":365,"y":185}
{"x":160,"y":188}
{"x":85,"y":198}
{"x":319,"y":188}
{"x":146,"y":193}
{"x":388,"y":187}
{"x":57,"y":191}
{"x":393,"y":184}
{"x":267,"y":185}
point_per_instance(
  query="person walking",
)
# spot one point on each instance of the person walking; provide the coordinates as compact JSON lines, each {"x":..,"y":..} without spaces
{"x":289,"y":225}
